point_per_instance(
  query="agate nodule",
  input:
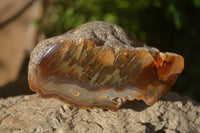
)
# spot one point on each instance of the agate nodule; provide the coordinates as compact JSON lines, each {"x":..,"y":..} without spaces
{"x":98,"y":64}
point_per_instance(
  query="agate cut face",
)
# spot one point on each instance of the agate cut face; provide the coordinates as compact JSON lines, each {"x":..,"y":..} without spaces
{"x":98,"y":64}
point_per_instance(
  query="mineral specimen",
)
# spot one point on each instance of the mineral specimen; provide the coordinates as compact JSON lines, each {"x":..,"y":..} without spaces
{"x":98,"y":64}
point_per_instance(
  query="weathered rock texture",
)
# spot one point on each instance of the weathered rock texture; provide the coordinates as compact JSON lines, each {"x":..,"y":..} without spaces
{"x":171,"y":114}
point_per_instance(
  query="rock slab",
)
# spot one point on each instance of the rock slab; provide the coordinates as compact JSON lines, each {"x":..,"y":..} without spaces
{"x":17,"y":37}
{"x":32,"y":114}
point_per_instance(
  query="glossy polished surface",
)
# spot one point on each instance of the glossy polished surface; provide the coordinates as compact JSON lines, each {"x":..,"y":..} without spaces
{"x":98,"y":64}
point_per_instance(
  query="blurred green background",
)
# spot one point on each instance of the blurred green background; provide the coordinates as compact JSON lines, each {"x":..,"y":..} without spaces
{"x":169,"y":25}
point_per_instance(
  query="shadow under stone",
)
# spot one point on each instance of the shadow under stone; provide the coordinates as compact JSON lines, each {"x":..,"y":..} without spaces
{"x":135,"y":105}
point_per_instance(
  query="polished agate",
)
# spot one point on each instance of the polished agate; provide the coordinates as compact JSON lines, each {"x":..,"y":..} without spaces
{"x":98,"y":64}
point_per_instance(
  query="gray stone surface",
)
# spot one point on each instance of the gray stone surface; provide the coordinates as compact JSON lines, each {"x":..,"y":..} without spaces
{"x":171,"y":114}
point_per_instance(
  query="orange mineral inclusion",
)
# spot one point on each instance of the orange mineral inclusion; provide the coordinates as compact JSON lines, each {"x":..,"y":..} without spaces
{"x":98,"y":64}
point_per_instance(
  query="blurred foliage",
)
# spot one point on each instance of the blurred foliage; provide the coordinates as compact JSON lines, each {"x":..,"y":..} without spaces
{"x":169,"y":25}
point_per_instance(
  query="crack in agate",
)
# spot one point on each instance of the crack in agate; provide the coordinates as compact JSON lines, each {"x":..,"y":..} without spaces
{"x":98,"y":64}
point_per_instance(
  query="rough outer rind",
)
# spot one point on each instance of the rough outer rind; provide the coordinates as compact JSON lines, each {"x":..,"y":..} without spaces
{"x":100,"y":65}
